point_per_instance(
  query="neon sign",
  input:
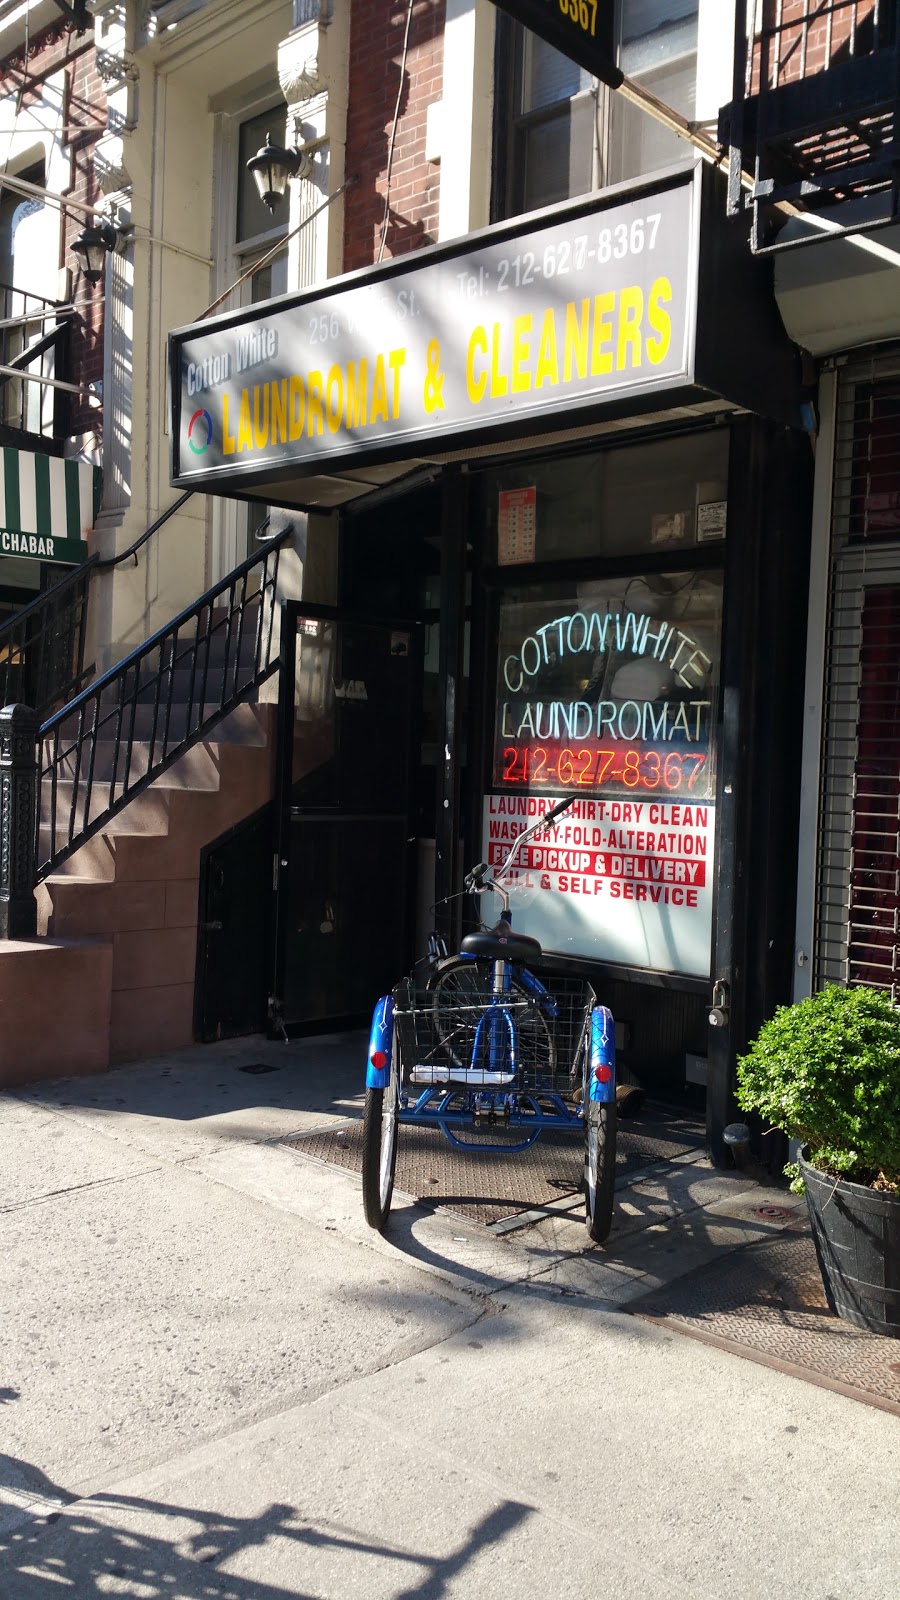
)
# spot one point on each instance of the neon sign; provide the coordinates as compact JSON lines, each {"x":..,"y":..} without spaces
{"x":616,"y":697}
{"x":590,"y":767}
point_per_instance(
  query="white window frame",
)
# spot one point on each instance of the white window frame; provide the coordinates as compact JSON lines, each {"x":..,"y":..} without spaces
{"x":228,"y":545}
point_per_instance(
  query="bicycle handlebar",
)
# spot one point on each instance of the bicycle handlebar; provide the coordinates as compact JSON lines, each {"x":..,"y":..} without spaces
{"x":475,"y":882}
{"x":557,"y":810}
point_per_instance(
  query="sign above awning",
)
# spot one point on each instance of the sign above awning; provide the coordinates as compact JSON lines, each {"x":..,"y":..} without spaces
{"x":548,"y":324}
{"x":47,"y":505}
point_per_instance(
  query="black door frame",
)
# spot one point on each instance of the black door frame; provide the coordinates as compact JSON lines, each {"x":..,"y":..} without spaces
{"x":763,"y":678}
{"x":291,"y":611}
{"x":766,"y":565}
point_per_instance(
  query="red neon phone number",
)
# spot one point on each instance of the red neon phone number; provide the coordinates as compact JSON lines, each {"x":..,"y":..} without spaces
{"x":585,"y":768}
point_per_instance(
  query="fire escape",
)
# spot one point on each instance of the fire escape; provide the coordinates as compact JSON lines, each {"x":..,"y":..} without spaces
{"x":814,"y":117}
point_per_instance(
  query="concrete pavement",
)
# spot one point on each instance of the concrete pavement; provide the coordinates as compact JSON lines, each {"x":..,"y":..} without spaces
{"x":216,"y":1381}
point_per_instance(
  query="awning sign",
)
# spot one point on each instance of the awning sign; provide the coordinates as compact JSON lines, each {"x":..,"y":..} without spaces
{"x":47,"y":505}
{"x":539,"y":324}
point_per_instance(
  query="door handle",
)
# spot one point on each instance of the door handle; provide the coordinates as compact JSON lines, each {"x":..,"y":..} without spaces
{"x":211,"y":927}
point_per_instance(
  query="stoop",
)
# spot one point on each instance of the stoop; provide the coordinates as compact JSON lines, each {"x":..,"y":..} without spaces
{"x":55,"y":1007}
{"x":135,"y":887}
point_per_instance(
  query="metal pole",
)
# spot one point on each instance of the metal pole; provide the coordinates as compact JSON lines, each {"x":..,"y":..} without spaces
{"x":19,"y":728}
{"x":715,"y":153}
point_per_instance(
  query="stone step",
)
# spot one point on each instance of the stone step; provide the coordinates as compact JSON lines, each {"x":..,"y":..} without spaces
{"x":224,"y":643}
{"x":146,"y":813}
{"x":197,"y":768}
{"x":241,"y":726}
{"x":84,"y":906}
{"x":183,"y":683}
{"x":94,"y":861}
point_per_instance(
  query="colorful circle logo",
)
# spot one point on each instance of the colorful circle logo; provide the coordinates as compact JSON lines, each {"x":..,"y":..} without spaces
{"x":200,"y":419}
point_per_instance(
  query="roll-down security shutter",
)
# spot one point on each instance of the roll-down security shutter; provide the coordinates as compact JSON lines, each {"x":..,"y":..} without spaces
{"x":858,"y":866}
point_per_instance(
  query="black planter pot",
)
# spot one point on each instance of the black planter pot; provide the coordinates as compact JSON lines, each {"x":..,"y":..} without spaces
{"x":857,"y":1238}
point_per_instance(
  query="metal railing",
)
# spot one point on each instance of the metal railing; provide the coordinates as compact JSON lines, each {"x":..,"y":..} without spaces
{"x":815,"y":110}
{"x":35,"y":339}
{"x":108,"y":745}
{"x":799,"y":38}
{"x":42,"y":646}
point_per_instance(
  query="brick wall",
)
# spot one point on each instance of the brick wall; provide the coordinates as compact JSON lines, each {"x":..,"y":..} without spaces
{"x":376,"y":51}
{"x":85,"y":121}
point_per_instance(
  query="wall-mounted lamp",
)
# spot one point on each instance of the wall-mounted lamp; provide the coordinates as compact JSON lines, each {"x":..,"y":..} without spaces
{"x":92,"y":246}
{"x":272,"y":166}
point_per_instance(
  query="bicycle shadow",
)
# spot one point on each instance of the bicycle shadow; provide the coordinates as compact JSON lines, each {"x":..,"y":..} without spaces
{"x":111,"y":1541}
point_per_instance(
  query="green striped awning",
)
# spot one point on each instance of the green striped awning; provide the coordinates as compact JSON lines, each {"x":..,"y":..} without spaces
{"x":47,"y":506}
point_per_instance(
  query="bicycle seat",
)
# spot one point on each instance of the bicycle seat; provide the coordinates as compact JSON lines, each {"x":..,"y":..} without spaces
{"x":501,"y":944}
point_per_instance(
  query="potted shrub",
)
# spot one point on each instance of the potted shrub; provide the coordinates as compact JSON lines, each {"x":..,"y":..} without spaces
{"x":827,"y":1071}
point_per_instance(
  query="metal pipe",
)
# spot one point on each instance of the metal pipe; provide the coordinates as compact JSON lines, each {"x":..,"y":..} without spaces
{"x":264,"y":260}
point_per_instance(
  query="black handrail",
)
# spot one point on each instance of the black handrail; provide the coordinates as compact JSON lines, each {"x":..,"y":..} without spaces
{"x":150,"y":708}
{"x":106,"y":562}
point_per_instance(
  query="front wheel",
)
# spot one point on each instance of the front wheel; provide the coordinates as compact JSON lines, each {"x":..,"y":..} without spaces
{"x":599,"y":1169}
{"x":379,"y":1152}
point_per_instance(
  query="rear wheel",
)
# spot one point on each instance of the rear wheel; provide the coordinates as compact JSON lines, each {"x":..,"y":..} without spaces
{"x":599,"y":1168}
{"x":379,"y":1151}
{"x":461,"y":991}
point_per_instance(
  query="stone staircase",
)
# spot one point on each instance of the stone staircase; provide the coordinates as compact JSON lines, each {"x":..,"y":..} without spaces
{"x":112,"y":972}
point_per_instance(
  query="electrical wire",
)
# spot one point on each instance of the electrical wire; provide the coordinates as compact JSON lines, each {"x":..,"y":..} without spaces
{"x":392,"y":142}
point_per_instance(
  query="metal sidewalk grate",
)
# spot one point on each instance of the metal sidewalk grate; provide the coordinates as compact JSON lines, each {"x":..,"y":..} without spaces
{"x":487,"y":1187}
{"x":766,"y":1302}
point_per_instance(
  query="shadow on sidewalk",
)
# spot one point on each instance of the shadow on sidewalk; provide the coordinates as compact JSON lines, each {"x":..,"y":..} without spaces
{"x":104,"y":1546}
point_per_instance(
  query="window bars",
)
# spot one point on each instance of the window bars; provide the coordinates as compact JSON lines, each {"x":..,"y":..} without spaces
{"x":814,"y":115}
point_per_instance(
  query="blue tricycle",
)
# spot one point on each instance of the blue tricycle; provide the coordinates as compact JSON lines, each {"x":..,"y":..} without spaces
{"x":485,"y":1050}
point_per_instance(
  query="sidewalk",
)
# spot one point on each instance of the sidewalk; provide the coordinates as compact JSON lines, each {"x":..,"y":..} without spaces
{"x":217,"y":1381}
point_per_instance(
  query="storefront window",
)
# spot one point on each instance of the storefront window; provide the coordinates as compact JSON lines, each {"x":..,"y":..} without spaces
{"x":608,"y":690}
{"x":640,"y":499}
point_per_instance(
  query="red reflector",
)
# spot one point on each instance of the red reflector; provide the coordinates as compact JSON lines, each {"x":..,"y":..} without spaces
{"x":603,"y":1073}
{"x":378,"y":1059}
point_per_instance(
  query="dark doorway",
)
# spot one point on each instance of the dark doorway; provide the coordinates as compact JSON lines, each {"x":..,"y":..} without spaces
{"x":233,"y":942}
{"x":344,"y":846}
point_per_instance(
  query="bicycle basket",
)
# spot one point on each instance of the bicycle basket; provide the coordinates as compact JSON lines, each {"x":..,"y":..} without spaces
{"x":458,"y":1032}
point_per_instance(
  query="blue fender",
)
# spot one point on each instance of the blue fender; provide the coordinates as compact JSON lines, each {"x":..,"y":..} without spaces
{"x":602,"y":1085}
{"x":381,"y":1044}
